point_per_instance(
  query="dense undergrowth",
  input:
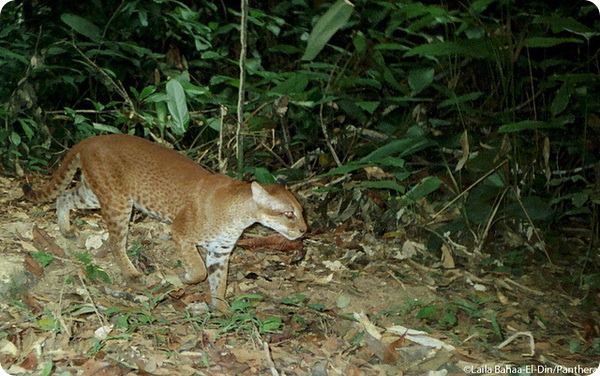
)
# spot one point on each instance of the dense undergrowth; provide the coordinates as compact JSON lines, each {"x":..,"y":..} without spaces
{"x":475,"y":121}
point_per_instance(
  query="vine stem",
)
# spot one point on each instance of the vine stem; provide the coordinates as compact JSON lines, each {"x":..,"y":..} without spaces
{"x":240,"y":104}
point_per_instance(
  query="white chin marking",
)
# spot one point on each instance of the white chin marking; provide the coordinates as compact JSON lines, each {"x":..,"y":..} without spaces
{"x":290,"y":237}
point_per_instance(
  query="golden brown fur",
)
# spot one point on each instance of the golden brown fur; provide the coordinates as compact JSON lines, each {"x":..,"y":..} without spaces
{"x":122,"y":172}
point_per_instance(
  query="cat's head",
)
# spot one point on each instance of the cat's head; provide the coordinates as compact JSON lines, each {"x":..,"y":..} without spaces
{"x":279,"y":210}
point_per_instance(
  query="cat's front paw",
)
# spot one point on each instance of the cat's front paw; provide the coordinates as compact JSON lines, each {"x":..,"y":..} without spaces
{"x":193,"y":278}
{"x":133,"y":275}
{"x":69,"y":234}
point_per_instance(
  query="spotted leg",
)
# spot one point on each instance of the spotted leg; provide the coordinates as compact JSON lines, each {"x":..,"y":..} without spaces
{"x":81,"y":197}
{"x":217,"y":264}
{"x":117,"y":216}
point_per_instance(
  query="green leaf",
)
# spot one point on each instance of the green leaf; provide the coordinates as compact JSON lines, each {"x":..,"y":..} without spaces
{"x":558,"y":24}
{"x":214,"y":123}
{"x":463,"y":98}
{"x":47,"y":369}
{"x":536,"y":208}
{"x":478,"y":48}
{"x":9,"y":54}
{"x":95,"y":273}
{"x":249,"y":296}
{"x":495,"y":180}
{"x":84,"y":257}
{"x":177,"y":105}
{"x":25,"y":124}
{"x":561,"y":100}
{"x":386,"y":160}
{"x":83,"y":310}
{"x":370,"y":107}
{"x":334,"y":19}
{"x":448,"y":319}
{"x":106,"y":128}
{"x":580,"y":198}
{"x":360,"y":42}
{"x":146,"y":92}
{"x":264,"y":176}
{"x":48,"y":324}
{"x":545,"y":42}
{"x":15,"y":139}
{"x":194,"y":91}
{"x":420,"y":79}
{"x":296,"y":83}
{"x":270,"y":324}
{"x":391,"y":47}
{"x":478,"y":6}
{"x":427,"y":312}
{"x":391,"y":162}
{"x":316,"y":306}
{"x":161,"y":114}
{"x":82,"y":26}
{"x":525,"y":125}
{"x":43,"y":258}
{"x":425,"y":187}
{"x":344,"y":169}
{"x":403,"y":147}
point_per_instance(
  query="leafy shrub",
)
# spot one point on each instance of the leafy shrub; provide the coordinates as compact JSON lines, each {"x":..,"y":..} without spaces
{"x":492,"y":103}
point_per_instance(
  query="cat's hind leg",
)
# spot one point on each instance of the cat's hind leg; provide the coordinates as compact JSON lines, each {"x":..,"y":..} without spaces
{"x":80,"y":197}
{"x":117,"y":215}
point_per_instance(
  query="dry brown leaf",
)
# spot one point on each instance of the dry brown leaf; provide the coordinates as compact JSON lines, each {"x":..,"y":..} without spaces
{"x":546,"y":154}
{"x":32,"y":265}
{"x":331,"y":345}
{"x":447,"y":259}
{"x":390,"y":355}
{"x":95,"y":367}
{"x":374,"y":172}
{"x":45,"y":243}
{"x":30,"y":362}
{"x":353,"y":370}
{"x":243,"y":355}
{"x":464,"y":144}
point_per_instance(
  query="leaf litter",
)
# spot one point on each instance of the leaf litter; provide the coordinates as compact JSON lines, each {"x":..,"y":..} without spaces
{"x":346,"y":303}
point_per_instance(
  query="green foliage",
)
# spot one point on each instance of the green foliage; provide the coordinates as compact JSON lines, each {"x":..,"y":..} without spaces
{"x":300,"y":300}
{"x":49,"y":322}
{"x":395,"y":84}
{"x":47,"y":369}
{"x":479,"y":315}
{"x":263,"y":176}
{"x":93,"y":271}
{"x":243,"y":318}
{"x":134,"y":249}
{"x":335,"y":18}
{"x":177,"y":105}
{"x":43,"y":258}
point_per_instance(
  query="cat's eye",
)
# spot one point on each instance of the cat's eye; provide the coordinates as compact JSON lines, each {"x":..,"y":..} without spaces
{"x":289,"y":214}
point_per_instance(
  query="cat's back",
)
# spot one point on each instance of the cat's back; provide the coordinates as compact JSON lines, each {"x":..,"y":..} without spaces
{"x":136,"y":166}
{"x":135,"y":156}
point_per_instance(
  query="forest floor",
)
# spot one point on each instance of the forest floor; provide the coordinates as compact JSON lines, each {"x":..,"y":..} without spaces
{"x":347,"y":303}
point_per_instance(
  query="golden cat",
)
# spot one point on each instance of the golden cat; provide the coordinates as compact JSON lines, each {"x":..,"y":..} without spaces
{"x":122,"y":172}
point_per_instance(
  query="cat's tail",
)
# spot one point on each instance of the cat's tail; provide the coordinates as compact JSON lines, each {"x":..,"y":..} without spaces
{"x":59,"y":182}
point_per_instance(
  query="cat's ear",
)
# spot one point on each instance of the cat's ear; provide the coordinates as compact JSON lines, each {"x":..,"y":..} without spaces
{"x":265,"y":199}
